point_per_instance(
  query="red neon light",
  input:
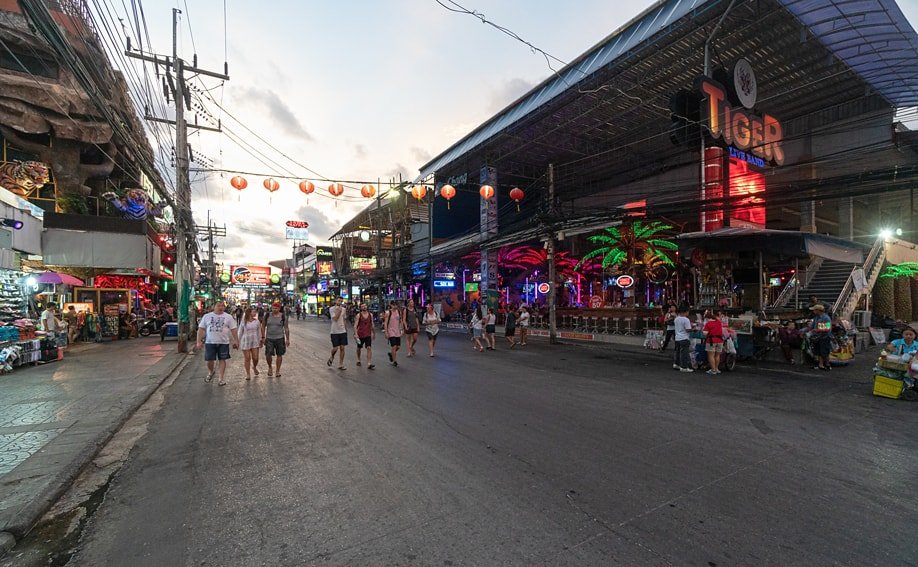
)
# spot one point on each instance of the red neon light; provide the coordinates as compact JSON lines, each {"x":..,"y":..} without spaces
{"x":713,"y":188}
{"x":747,"y":192}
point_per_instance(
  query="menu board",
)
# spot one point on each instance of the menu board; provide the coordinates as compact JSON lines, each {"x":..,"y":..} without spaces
{"x":109,"y":320}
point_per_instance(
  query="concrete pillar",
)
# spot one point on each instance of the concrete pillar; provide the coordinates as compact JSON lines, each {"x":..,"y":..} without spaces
{"x":808,"y":216}
{"x":846,"y":218}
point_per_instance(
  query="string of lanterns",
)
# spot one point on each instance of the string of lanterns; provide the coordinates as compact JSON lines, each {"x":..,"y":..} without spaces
{"x":419,"y":192}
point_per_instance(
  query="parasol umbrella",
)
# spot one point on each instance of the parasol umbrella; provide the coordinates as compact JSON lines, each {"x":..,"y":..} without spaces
{"x":56,"y":278}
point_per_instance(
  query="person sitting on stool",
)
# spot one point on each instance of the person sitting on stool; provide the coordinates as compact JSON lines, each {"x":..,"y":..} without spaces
{"x":790,"y":338}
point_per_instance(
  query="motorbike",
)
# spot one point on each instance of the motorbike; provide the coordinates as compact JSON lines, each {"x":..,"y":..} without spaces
{"x":149,"y":326}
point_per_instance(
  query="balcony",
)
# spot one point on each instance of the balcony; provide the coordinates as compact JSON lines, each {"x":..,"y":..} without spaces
{"x":98,"y":242}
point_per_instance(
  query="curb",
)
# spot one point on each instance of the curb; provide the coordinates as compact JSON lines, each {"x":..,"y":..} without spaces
{"x":62,"y":480}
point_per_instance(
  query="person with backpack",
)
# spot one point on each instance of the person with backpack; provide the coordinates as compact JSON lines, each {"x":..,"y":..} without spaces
{"x":365,"y":332}
{"x":394,"y":327}
{"x":276,"y":333}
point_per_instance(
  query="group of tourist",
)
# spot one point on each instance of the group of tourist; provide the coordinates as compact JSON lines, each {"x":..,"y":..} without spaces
{"x":483,"y":327}
{"x":218,"y":331}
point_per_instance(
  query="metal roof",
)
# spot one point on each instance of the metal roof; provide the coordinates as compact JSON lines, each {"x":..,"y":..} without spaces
{"x":870,"y":36}
{"x":585,"y":106}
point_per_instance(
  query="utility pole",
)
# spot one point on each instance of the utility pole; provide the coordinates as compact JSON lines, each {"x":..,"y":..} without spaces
{"x":185,"y":228}
{"x":552,"y":265}
{"x":211,"y":230}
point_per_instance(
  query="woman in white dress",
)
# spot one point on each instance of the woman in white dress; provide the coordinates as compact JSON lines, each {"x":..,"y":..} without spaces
{"x":250,"y":341}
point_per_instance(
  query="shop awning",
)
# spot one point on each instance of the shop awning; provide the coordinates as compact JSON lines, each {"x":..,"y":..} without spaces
{"x":786,"y":243}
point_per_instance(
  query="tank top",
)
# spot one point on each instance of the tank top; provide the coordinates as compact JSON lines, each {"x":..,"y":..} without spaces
{"x":394,"y":328}
{"x":274,"y":326}
{"x":411,"y":319}
{"x":364,"y":325}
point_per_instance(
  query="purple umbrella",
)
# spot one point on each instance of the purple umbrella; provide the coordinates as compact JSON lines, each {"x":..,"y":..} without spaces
{"x":56,"y":278}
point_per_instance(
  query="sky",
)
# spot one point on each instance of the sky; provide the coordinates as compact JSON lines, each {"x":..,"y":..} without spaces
{"x":355,"y":90}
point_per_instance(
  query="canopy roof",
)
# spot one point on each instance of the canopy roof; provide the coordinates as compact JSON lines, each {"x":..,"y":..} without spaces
{"x":604,"y":119}
{"x":785,"y":243}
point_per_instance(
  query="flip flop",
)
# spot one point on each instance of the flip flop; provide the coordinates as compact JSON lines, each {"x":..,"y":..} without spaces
{"x":222,"y":383}
{"x":277,"y":375}
{"x":342,"y":368}
{"x":248,"y":377}
{"x":329,"y":363}
{"x":209,"y":377}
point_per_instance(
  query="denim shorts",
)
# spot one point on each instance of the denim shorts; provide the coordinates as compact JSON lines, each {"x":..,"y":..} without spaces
{"x":213,"y":352}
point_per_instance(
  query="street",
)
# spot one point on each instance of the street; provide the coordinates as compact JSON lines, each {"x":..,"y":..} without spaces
{"x":556,"y":455}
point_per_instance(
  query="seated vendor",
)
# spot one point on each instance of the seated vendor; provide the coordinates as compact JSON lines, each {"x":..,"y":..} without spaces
{"x":906,"y":345}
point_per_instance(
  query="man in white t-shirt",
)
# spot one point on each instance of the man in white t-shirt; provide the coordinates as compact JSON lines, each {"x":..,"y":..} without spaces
{"x":219,"y":329}
{"x":683,"y":328}
{"x":338,"y":316}
{"x":523,"y":323}
{"x":49,"y":320}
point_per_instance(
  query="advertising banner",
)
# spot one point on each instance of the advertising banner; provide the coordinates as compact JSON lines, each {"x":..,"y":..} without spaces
{"x":325,"y":261}
{"x":296,"y":230}
{"x":358,"y":263}
{"x":250,"y":275}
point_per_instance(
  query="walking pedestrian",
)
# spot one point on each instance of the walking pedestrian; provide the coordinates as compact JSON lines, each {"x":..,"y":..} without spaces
{"x":431,"y":327}
{"x":299,"y":310}
{"x":491,"y":329}
{"x":476,"y":325}
{"x":394,"y":327}
{"x":365,"y":332}
{"x":338,"y":316}
{"x":524,"y":324}
{"x":510,"y":327}
{"x":682,"y":328}
{"x":251,"y":340}
{"x":820,"y":335}
{"x":216,"y":331}
{"x":412,"y":325}
{"x":276,"y":331}
{"x":713,"y":331}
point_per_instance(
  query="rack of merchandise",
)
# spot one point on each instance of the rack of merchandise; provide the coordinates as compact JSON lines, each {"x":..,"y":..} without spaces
{"x":13,"y":303}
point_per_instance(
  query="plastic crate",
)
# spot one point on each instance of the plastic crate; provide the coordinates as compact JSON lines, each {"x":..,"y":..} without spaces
{"x":887,"y":387}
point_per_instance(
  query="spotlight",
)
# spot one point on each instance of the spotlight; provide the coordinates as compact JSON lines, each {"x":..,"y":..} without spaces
{"x":886,"y":233}
{"x":898,"y":232}
{"x":12,"y":223}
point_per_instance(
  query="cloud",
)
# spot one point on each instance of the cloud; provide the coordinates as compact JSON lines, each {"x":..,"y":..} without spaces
{"x":360,"y":151}
{"x":320,"y":226}
{"x":399,"y":169}
{"x":508,"y":92}
{"x":421,"y":155}
{"x":281,"y":114}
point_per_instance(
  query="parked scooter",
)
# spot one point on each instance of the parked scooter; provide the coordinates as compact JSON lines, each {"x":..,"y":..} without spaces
{"x":150,"y":326}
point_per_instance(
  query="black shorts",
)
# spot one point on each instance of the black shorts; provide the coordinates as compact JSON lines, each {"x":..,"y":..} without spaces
{"x":213,"y":352}
{"x":489,"y":329}
{"x":510,"y":331}
{"x":395,"y":341}
{"x":339,"y":339}
{"x":275,"y":347}
{"x":432,"y":336}
{"x":364,"y":342}
{"x":822,"y":345}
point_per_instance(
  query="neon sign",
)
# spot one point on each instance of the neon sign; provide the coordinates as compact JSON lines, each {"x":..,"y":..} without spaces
{"x":760,"y":135}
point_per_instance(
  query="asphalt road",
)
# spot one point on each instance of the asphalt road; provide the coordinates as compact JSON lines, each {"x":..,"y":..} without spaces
{"x":549,"y":455}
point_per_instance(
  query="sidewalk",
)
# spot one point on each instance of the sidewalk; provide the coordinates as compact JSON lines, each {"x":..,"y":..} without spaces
{"x":55,"y":417}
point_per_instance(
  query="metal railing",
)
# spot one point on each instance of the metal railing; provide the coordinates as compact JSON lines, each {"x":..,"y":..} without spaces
{"x":847,"y":299}
{"x":785,"y":294}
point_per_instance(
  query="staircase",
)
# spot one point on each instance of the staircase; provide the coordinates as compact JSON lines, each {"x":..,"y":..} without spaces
{"x":828,"y":283}
{"x":849,"y":296}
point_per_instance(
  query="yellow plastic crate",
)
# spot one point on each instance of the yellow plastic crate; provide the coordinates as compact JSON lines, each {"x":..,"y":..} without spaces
{"x":887,"y":387}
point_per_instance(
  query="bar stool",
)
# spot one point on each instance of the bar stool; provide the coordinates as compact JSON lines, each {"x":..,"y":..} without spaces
{"x":594,"y":324}
{"x":576,"y":323}
{"x":628,"y":328}
{"x":605,"y":325}
{"x":616,"y":326}
{"x":565,"y":321}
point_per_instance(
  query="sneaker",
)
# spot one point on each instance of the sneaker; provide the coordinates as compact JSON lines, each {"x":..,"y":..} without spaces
{"x":676,"y":367}
{"x":686,"y":370}
{"x":712,"y":372}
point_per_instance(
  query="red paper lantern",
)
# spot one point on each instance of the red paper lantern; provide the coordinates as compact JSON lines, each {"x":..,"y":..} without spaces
{"x":307,"y":187}
{"x":336,"y":189}
{"x":517,"y":195}
{"x":368,"y":191}
{"x":271,"y":185}
{"x":419,"y":191}
{"x":447,"y":192}
{"x":239,"y":183}
{"x":486,"y":192}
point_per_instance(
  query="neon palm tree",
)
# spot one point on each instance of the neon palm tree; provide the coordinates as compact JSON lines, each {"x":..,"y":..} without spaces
{"x":903,"y":270}
{"x":639,"y":246}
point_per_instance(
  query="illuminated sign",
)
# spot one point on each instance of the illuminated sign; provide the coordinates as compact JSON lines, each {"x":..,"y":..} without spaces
{"x":324,"y":252}
{"x":325,"y":267}
{"x":297,"y":224}
{"x":471,"y":287}
{"x":251,"y":276}
{"x":624,"y":281}
{"x":544,"y":288}
{"x":445,"y":275}
{"x":747,"y":192}
{"x":296,"y":230}
{"x":358,"y":263}
{"x":444,"y":283}
{"x":774,"y":282}
{"x":760,"y":135}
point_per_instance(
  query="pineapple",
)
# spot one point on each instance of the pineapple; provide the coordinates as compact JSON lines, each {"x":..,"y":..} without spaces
{"x":883,"y":297}
{"x":903,"y":298}
{"x":914,"y":284}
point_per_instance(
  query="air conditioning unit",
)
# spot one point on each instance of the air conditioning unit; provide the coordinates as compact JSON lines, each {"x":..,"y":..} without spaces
{"x":861,"y":319}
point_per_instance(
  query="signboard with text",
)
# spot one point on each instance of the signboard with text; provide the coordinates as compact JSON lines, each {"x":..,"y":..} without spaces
{"x":296,"y":230}
{"x":250,"y":275}
{"x":360,"y":263}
